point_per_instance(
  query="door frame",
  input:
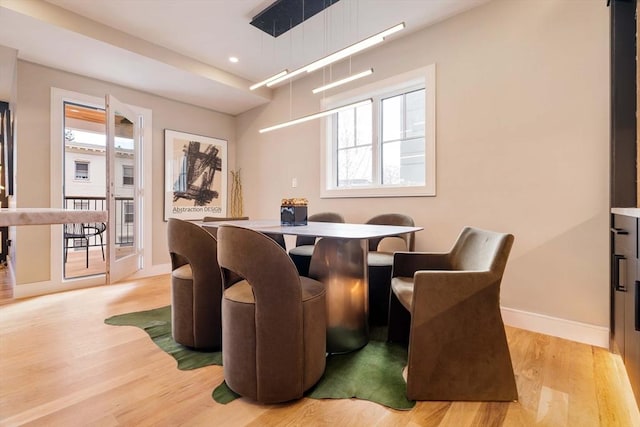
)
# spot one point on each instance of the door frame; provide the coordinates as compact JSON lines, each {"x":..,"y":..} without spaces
{"x":58,"y":97}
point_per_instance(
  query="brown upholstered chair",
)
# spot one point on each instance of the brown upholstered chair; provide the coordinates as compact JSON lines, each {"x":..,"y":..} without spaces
{"x":196,"y":286}
{"x":457,"y":345}
{"x":380,"y":262}
{"x":301,"y":254}
{"x":273,"y":320}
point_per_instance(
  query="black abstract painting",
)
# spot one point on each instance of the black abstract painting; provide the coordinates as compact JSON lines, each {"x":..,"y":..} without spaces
{"x":195,"y":176}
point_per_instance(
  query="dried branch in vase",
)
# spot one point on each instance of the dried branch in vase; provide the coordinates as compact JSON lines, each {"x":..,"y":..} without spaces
{"x":236,"y":194}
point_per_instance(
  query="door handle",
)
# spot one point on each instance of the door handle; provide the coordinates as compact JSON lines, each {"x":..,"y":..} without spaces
{"x":619,"y":230}
{"x":619,"y":273}
{"x":637,"y":304}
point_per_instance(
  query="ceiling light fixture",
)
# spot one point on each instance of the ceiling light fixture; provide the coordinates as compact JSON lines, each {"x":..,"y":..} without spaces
{"x":341,"y":54}
{"x":268,"y":79}
{"x":233,"y":59}
{"x":343,"y":81}
{"x":317,"y":115}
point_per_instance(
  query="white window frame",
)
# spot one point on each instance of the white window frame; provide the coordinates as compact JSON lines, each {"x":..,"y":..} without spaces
{"x":406,"y":82}
{"x":75,"y":170}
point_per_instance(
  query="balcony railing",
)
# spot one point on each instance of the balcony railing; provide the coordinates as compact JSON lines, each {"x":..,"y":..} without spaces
{"x":123,"y":223}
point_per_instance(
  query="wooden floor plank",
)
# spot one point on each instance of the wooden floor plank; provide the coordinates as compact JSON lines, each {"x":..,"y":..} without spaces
{"x":60,"y":365}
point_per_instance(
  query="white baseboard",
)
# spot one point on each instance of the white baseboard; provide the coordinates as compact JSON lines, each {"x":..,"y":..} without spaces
{"x":48,"y":287}
{"x":27,"y":290}
{"x":554,"y":326}
{"x":154,"y":270}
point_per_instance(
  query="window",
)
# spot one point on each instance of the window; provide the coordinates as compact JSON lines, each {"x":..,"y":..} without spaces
{"x":82,"y":171}
{"x":128,"y":212}
{"x":81,"y":204}
{"x":127,"y":175}
{"x":385,"y":148}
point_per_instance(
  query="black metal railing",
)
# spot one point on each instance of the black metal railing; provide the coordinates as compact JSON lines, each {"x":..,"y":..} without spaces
{"x":123,"y":219}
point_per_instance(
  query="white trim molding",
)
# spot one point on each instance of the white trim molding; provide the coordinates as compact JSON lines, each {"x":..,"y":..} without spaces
{"x":562,"y":328}
{"x":27,"y":290}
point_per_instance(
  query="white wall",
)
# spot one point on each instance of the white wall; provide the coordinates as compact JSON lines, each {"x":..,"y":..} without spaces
{"x":522,"y":146}
{"x":95,"y":186}
{"x":33,"y":159}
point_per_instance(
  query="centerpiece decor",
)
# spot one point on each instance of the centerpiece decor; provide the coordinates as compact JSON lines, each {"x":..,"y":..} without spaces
{"x":293,"y":211}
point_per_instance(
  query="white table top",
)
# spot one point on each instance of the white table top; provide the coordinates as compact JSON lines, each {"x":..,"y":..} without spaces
{"x":41,"y":216}
{"x":635,"y":212}
{"x":320,"y":229}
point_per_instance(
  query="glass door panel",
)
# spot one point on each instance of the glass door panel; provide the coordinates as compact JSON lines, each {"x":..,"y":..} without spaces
{"x":123,"y":172}
{"x":84,"y":184}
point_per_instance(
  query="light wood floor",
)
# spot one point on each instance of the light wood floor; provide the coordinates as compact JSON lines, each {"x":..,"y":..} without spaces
{"x":76,"y":266}
{"x":60,"y":365}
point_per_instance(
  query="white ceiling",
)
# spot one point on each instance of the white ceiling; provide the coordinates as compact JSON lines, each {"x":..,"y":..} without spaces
{"x":180,"y":48}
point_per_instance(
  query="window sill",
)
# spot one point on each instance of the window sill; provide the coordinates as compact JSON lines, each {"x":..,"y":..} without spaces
{"x":422,"y":191}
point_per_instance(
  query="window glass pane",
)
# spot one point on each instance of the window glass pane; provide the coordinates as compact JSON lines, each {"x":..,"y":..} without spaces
{"x":392,"y":118}
{"x":403,"y":162}
{"x":354,"y":166}
{"x":128,"y":212}
{"x":346,"y":130}
{"x":415,"y":115}
{"x":80,"y":204}
{"x":127,"y":175}
{"x":364,"y":127}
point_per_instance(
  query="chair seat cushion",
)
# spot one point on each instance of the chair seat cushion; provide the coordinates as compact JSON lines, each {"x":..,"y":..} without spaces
{"x":379,"y":259}
{"x":304,"y":250}
{"x":403,"y":288}
{"x":241,"y":292}
{"x":240,"y":338}
{"x":183,"y":272}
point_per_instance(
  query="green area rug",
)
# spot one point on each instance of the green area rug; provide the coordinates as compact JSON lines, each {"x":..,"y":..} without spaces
{"x":157,"y":323}
{"x":372,"y":373}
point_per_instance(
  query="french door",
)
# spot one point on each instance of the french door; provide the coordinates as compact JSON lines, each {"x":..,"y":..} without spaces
{"x":94,"y":151}
{"x":123,"y":165}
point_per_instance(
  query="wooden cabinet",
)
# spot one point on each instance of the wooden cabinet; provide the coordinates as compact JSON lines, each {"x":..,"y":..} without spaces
{"x":625,"y":296}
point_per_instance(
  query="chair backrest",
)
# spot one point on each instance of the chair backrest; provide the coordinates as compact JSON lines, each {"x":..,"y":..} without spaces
{"x":319,"y":217}
{"x":393,"y":219}
{"x":481,"y":250}
{"x":277,"y":292}
{"x":74,"y":231}
{"x":191,"y":244}
{"x":262,"y":262}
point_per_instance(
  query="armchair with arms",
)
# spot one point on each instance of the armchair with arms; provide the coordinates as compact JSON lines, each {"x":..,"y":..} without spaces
{"x":457,"y":343}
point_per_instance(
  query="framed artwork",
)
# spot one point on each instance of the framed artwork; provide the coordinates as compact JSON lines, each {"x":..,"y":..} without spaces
{"x":195,"y":176}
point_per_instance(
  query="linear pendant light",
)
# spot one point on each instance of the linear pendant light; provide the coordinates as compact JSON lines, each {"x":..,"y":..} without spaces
{"x":286,"y":77}
{"x":317,"y":115}
{"x":341,"y":54}
{"x":343,"y":81}
{"x":267,"y":80}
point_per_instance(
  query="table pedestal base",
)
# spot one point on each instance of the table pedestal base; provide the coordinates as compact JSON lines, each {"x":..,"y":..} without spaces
{"x":341,"y":264}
